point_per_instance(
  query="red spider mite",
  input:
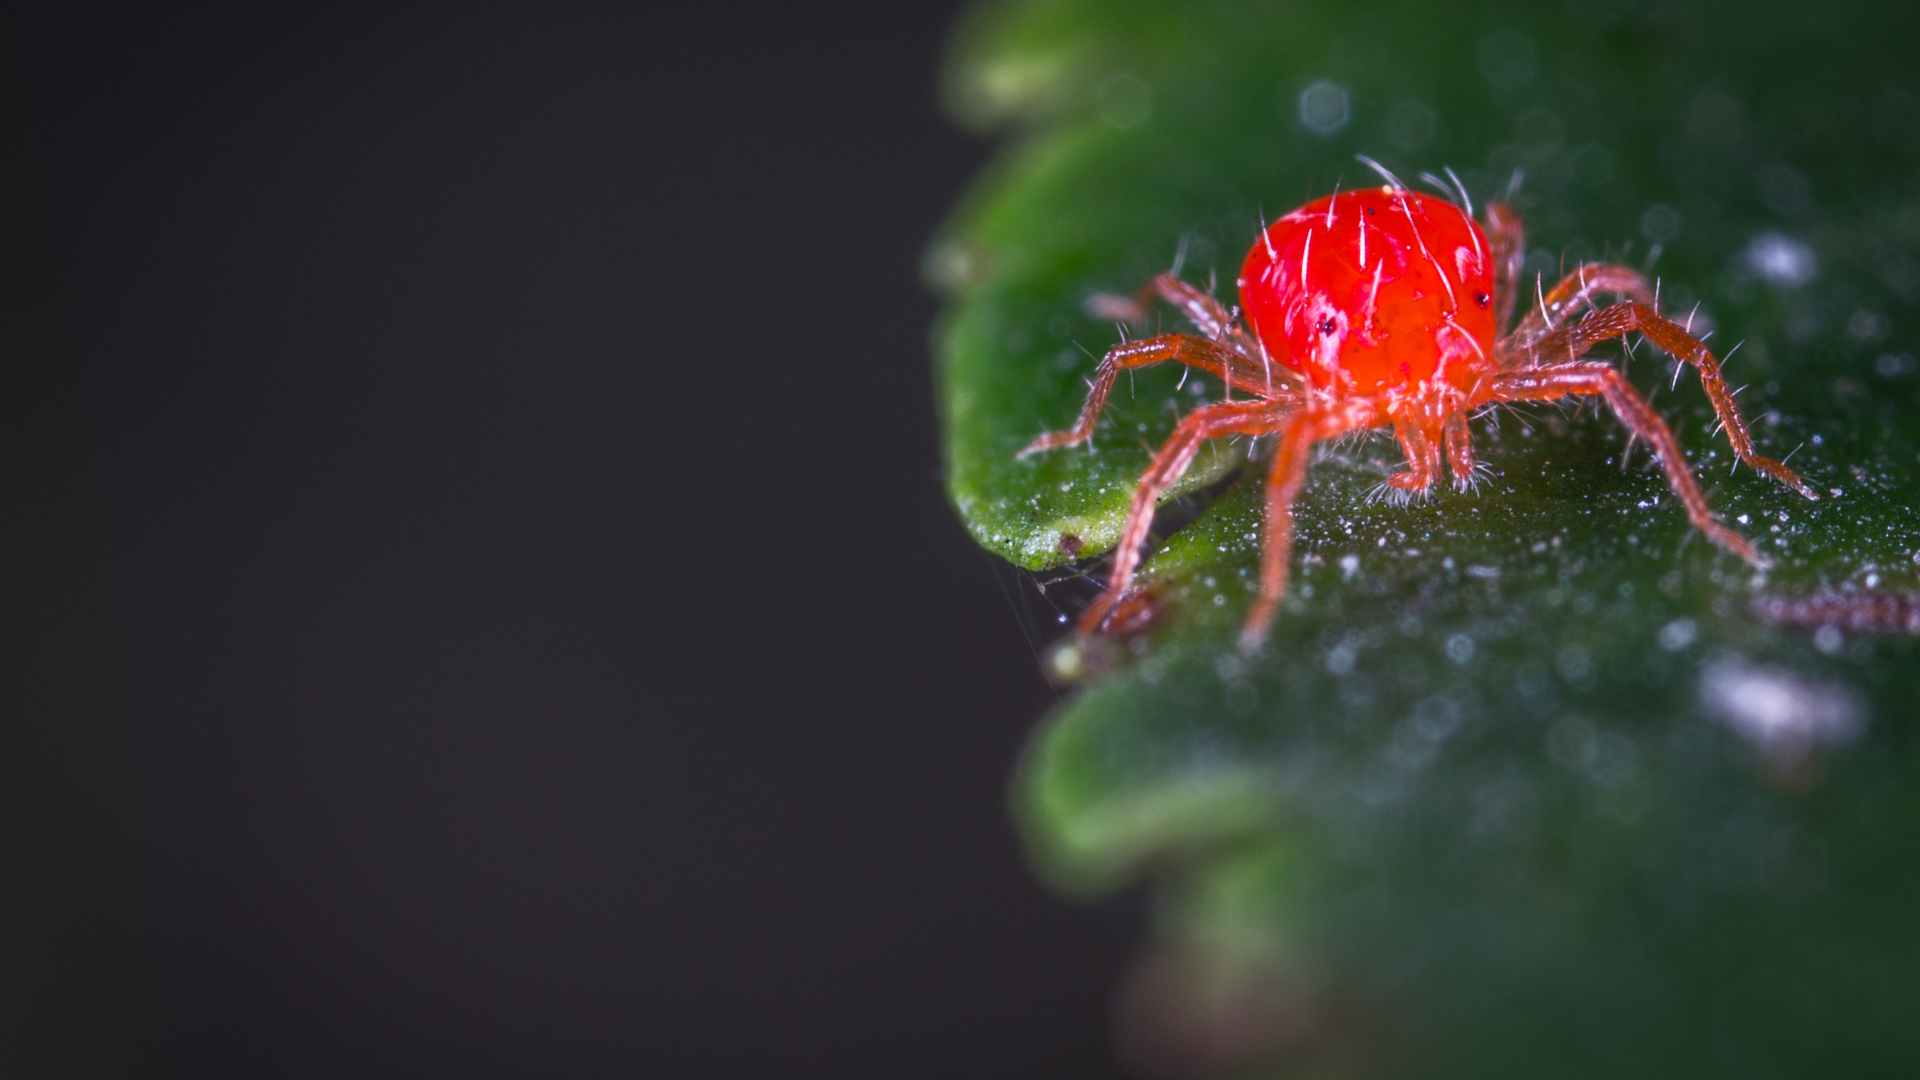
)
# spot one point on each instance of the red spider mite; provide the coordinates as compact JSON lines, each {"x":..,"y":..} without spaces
{"x":1384,"y":307}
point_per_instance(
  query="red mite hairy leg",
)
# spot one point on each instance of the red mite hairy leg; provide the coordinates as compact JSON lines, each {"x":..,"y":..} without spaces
{"x":1384,"y":308}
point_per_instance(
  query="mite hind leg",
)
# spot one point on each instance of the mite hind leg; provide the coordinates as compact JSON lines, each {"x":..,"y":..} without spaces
{"x":1206,"y":313}
{"x":1508,"y":236}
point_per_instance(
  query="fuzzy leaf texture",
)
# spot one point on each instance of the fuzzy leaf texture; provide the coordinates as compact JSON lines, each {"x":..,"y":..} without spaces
{"x":1531,"y":778}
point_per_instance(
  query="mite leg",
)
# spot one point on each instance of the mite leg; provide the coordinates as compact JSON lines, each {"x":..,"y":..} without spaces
{"x":1459,"y":450}
{"x":1206,"y":313}
{"x":1211,"y":318}
{"x":1207,"y":422}
{"x":1574,"y":291}
{"x":1622,"y":319}
{"x":1208,"y":356}
{"x":1508,"y":235}
{"x":1423,"y":459}
{"x":1600,"y":380}
{"x":1289,"y":472}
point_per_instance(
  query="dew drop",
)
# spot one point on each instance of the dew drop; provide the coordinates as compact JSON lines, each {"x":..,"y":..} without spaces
{"x":1780,"y":260}
{"x":1325,"y":107}
{"x":1780,"y":713}
{"x":1678,"y":634}
{"x":1460,"y":648}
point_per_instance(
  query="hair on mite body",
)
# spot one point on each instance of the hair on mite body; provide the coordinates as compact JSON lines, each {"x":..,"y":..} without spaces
{"x":1388,"y":308}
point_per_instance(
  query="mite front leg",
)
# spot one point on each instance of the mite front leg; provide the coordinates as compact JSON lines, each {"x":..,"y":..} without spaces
{"x":1215,"y":359}
{"x":1207,"y":422}
{"x":1621,"y":319}
{"x":1554,"y":306}
{"x":1289,"y":472}
{"x":1459,"y":450}
{"x":1423,"y":459}
{"x":1600,"y":380}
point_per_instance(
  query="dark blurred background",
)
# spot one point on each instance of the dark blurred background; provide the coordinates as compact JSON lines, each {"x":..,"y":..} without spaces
{"x":488,"y":597}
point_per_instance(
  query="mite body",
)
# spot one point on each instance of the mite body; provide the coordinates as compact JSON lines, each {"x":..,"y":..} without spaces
{"x":1385,"y":307}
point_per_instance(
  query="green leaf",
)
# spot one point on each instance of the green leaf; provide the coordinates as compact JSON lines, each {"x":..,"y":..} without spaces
{"x":1531,"y":776}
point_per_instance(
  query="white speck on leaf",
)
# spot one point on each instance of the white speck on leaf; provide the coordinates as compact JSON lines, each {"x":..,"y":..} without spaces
{"x":1783,"y":715}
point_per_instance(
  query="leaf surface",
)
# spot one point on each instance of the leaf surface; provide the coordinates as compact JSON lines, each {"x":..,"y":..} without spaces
{"x":1532,"y":770}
